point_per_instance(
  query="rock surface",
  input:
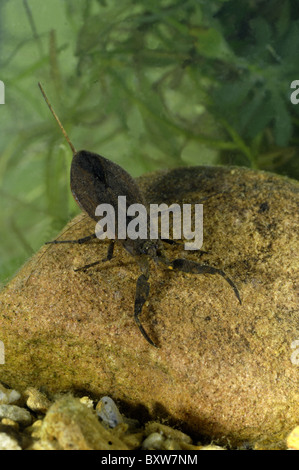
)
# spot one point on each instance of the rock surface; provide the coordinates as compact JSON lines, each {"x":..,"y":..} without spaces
{"x":15,"y":413}
{"x":221,"y":370}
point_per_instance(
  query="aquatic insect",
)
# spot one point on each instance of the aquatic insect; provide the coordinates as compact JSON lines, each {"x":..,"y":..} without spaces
{"x":96,"y":180}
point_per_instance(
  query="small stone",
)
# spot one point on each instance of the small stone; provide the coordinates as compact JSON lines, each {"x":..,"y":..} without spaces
{"x":10,"y":422}
{"x":107,"y":410}
{"x":37,"y":401}
{"x":87,"y":402}
{"x":293,"y":439}
{"x":70,"y":425}
{"x":167,"y":432}
{"x":211,"y":447}
{"x":8,"y":396}
{"x":164,"y":437}
{"x":16,"y":413}
{"x":7,"y":442}
{"x":35,"y":429}
{"x":153,"y":441}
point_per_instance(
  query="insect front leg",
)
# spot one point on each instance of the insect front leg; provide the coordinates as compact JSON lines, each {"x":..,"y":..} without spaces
{"x":189,"y":266}
{"x":56,"y":242}
{"x":142,"y":292}
{"x":80,"y":241}
{"x":107,"y":258}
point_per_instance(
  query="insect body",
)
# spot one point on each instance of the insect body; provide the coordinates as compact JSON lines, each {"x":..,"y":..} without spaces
{"x":96,"y":180}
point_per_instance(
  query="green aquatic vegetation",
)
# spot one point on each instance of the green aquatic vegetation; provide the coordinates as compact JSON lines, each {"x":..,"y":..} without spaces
{"x":148,"y":84}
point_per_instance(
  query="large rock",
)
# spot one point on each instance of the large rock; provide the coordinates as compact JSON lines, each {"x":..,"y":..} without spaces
{"x":222,"y":369}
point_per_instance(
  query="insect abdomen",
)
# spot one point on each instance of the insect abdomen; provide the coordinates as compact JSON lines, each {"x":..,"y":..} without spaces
{"x":96,"y":180}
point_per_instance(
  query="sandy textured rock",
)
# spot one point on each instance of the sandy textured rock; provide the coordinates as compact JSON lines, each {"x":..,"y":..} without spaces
{"x":222,"y":369}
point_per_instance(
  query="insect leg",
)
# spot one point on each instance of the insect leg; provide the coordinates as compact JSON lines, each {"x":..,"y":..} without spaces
{"x":108,"y":258}
{"x":110,"y":251}
{"x":189,"y":266}
{"x":69,"y":228}
{"x":171,"y":242}
{"x":79,"y":241}
{"x":142,"y":291}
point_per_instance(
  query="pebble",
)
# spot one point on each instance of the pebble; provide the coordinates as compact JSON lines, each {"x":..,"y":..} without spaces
{"x":10,"y":422}
{"x":293,"y":439}
{"x":8,"y":396}
{"x":87,"y":402}
{"x":71,"y":425}
{"x":211,"y":447}
{"x":7,"y":442}
{"x":107,"y":410}
{"x":153,"y":441}
{"x":16,"y":413}
{"x":162,"y":437}
{"x":35,"y":429}
{"x":36,"y":400}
